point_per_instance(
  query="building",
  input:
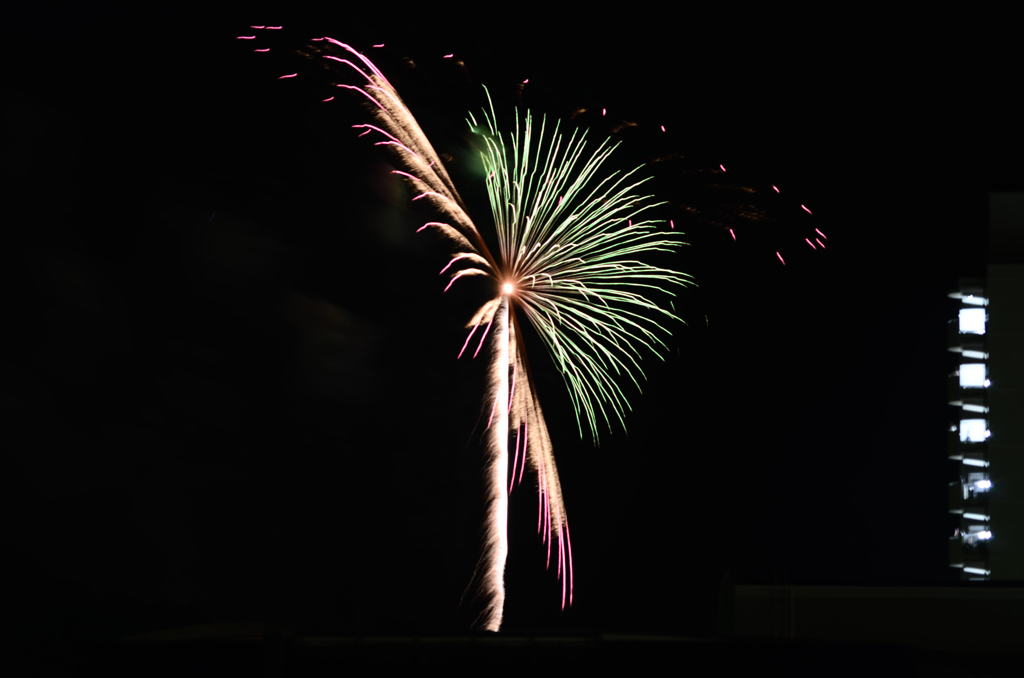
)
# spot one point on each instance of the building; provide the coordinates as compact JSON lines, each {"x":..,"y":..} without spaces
{"x":986,"y":388}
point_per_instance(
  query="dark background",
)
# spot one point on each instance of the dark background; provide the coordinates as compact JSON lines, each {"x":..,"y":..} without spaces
{"x":228,"y":382}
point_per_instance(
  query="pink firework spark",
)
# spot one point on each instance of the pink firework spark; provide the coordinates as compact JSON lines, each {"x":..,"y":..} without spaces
{"x":515,"y":465}
{"x":482,"y":337}
{"x":526,"y":439}
{"x":779,"y":255}
{"x":806,"y":209}
{"x":568,"y":552}
{"x":466,"y":343}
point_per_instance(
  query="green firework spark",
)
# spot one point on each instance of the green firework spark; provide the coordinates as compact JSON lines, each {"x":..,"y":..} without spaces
{"x":569,"y":235}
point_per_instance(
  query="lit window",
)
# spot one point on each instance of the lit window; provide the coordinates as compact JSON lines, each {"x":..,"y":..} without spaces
{"x":975,"y":483}
{"x":975,"y":534}
{"x":973,"y":375}
{"x":974,"y":462}
{"x":974,"y":430}
{"x":972,"y":321}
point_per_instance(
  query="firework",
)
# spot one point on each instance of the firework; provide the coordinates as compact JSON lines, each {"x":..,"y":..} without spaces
{"x":570,"y":235}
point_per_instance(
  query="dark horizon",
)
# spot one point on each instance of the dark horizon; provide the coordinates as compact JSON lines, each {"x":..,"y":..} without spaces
{"x":230,"y":383}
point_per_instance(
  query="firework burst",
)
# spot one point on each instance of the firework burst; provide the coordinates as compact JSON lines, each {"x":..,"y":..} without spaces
{"x":569,"y":235}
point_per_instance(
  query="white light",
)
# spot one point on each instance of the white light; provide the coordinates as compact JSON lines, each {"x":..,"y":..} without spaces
{"x":977,"y":570}
{"x":975,"y":301}
{"x":975,"y":408}
{"x":984,"y":535}
{"x":972,"y":321}
{"x":973,"y":375}
{"x":974,"y":430}
{"x":974,"y":462}
{"x":508,"y":288}
{"x":983,"y":485}
{"x":976,"y":516}
{"x":977,"y":355}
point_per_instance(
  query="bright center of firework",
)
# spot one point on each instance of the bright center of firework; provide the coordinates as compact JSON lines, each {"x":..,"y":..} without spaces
{"x":507,"y":288}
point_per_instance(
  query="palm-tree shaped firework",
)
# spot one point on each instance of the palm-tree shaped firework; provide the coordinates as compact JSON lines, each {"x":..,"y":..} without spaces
{"x":568,"y":235}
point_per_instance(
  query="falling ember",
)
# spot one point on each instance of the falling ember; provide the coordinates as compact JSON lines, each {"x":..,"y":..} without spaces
{"x":274,"y":28}
{"x":780,"y":258}
{"x":722,"y":167}
{"x":448,"y":56}
{"x":810,"y":243}
{"x":776,"y":188}
{"x":246,"y":37}
{"x":604,"y":112}
{"x":262,"y":49}
{"x":290,"y":75}
{"x":330,"y":98}
{"x":805,"y":209}
{"x":662,"y":128}
{"x":258,"y":27}
{"x":820,"y":233}
{"x":671,"y":224}
{"x":378,"y":45}
{"x":732,"y":233}
{"x":818,"y":240}
{"x":526,"y":81}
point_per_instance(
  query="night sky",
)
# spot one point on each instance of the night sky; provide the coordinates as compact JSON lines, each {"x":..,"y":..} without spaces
{"x":229,"y":386}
